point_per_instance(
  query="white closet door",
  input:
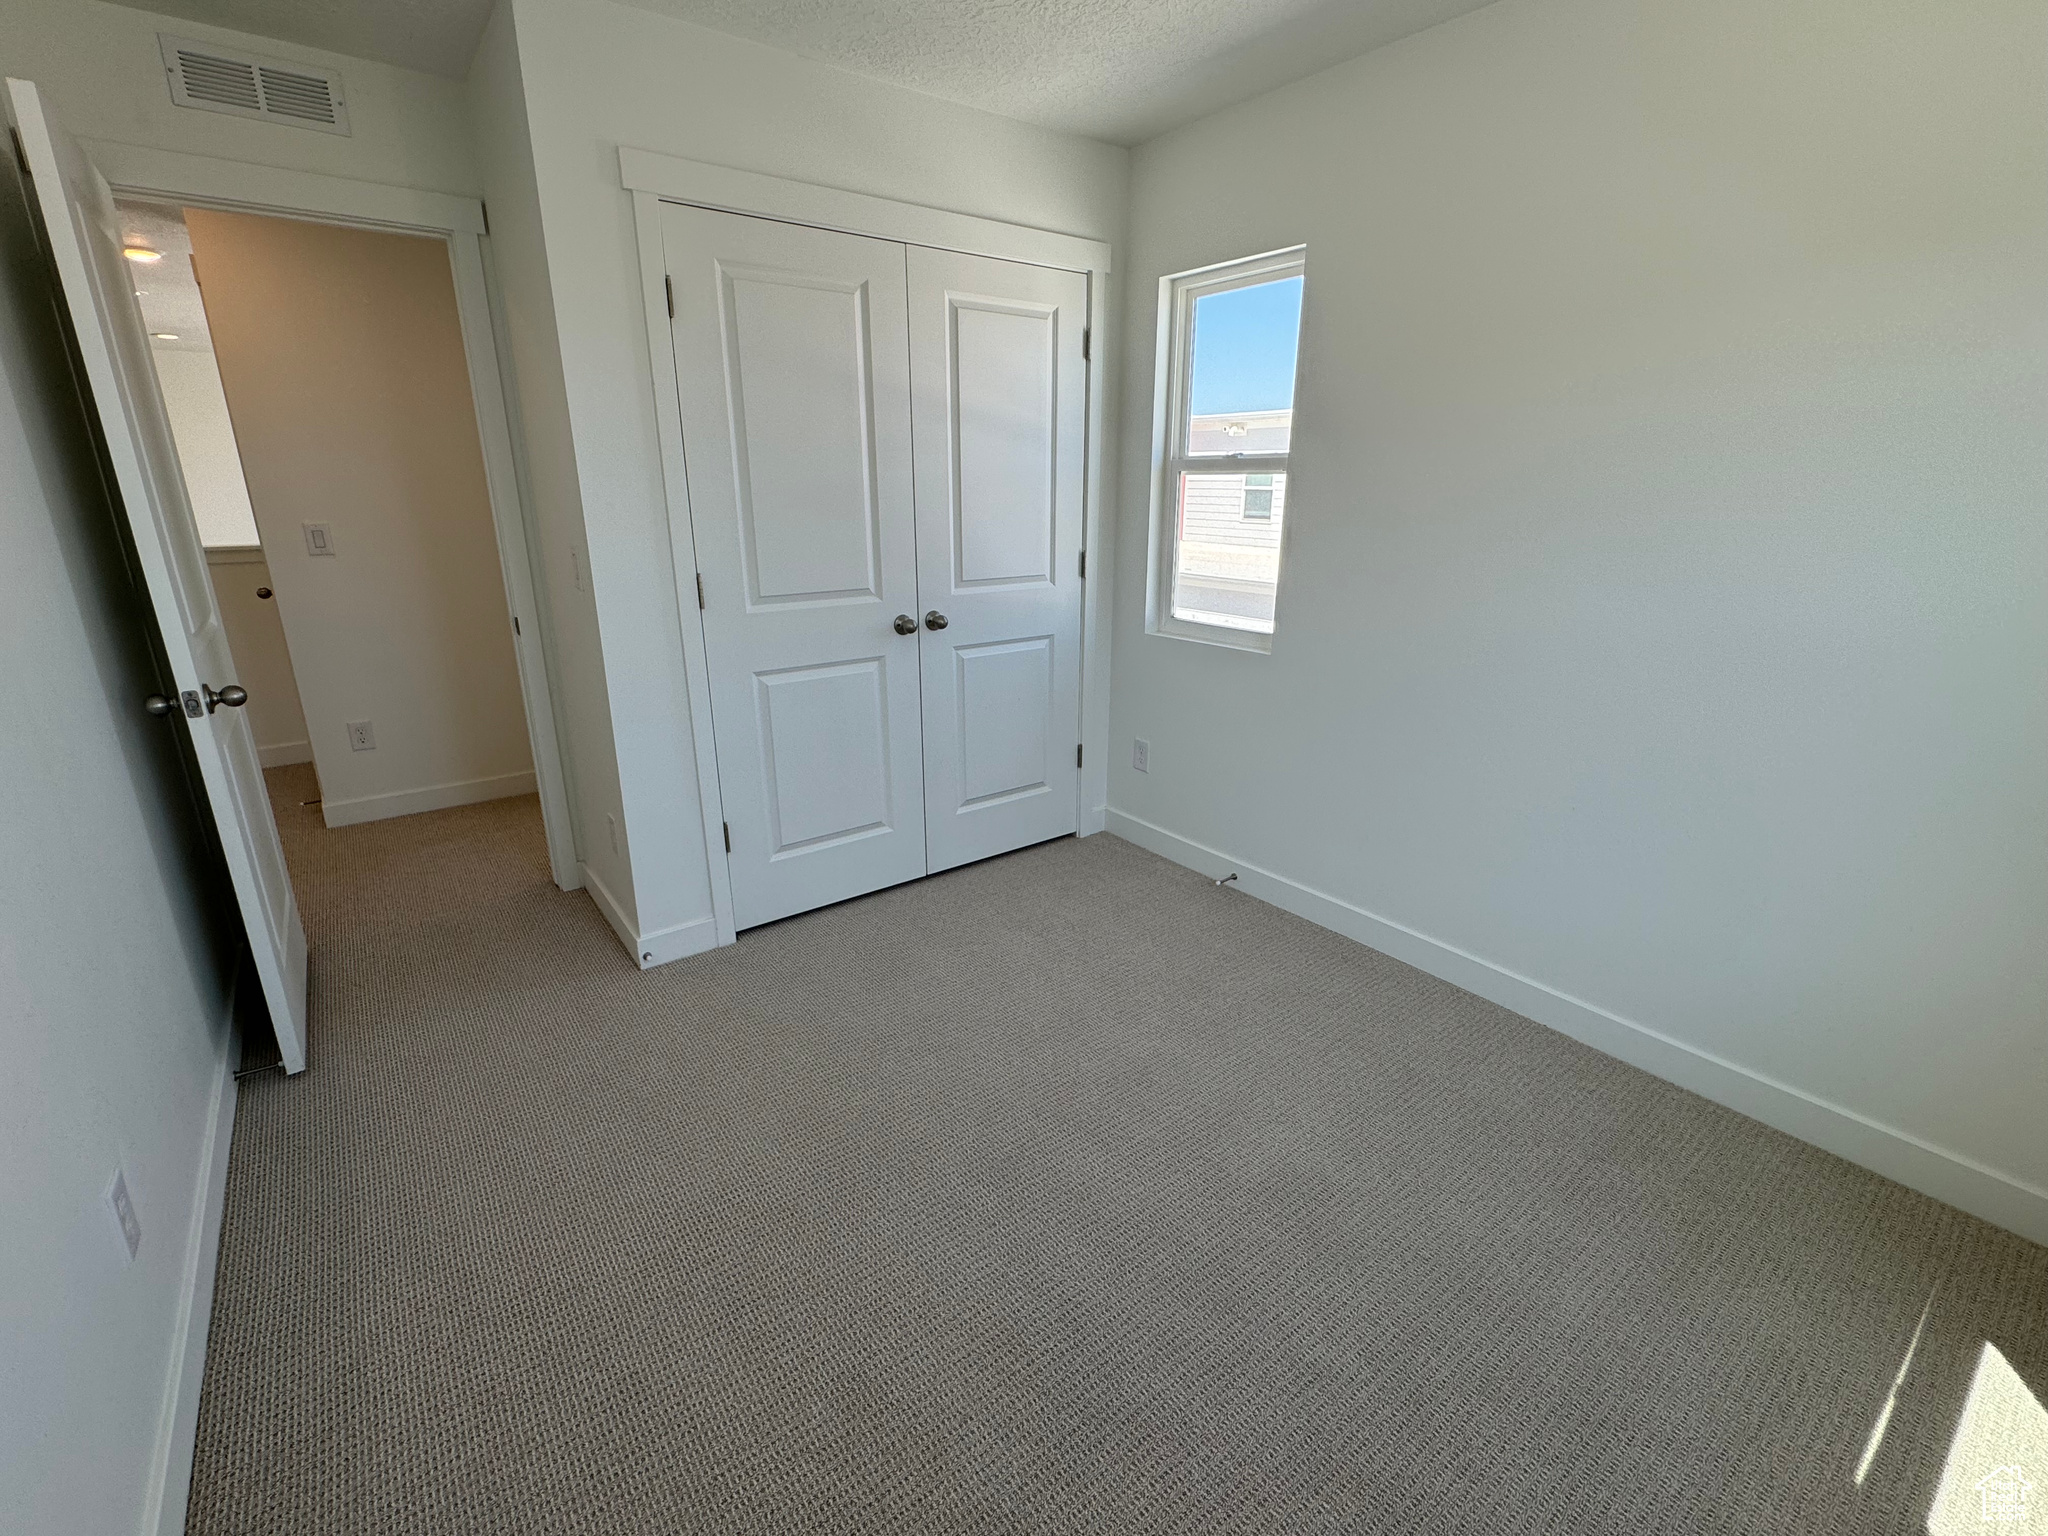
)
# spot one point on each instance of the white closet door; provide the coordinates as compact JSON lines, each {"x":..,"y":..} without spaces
{"x":791,"y":364}
{"x":998,"y":387}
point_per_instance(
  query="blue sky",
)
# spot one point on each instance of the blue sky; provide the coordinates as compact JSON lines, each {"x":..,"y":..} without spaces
{"x":1245,"y":341}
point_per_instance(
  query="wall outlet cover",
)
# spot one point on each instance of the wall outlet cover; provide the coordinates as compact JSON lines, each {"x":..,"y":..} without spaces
{"x":1141,"y":754}
{"x":360,"y":737}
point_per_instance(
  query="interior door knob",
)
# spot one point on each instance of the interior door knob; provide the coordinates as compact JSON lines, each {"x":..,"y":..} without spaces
{"x":160,"y":706}
{"x":905,"y":624}
{"x":935,"y":620}
{"x":234,"y":696}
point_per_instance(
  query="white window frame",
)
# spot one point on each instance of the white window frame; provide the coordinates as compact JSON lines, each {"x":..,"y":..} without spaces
{"x":1178,"y":292}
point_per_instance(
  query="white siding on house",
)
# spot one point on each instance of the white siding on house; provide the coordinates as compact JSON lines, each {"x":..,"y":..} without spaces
{"x":1227,"y":568}
{"x":1227,"y":561}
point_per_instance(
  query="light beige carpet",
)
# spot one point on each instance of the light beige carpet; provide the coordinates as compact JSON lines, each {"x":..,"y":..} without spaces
{"x":1062,"y":1193}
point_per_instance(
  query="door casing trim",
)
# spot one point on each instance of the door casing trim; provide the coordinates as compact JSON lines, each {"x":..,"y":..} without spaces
{"x":134,"y":170}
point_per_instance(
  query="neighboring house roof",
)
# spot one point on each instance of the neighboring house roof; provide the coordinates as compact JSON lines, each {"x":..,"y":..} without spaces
{"x":1240,"y":432}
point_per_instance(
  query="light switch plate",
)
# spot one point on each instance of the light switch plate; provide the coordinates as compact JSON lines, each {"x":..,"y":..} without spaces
{"x":319,"y":538}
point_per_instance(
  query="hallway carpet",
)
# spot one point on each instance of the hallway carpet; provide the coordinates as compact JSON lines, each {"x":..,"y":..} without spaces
{"x":1061,"y":1193}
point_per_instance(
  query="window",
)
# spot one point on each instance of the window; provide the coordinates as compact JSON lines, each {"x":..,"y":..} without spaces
{"x":1228,"y":343}
{"x":1258,"y":497}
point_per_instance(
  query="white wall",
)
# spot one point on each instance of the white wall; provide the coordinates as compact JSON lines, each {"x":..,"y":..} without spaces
{"x":99,"y":67}
{"x":206,"y":445}
{"x":1663,"y":619}
{"x":113,"y":976}
{"x":595,"y":75}
{"x":545,"y":457}
{"x":342,"y":358}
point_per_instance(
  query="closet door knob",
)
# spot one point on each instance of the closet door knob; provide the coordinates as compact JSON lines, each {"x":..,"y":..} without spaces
{"x":905,"y":624}
{"x":935,"y":620}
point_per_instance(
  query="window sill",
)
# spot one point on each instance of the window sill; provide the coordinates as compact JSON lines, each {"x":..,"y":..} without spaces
{"x":1214,"y":634}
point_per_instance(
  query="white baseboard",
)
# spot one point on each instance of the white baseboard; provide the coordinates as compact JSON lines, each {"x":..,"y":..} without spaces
{"x":659,"y":946}
{"x":178,"y":1425}
{"x":281,"y":753}
{"x":677,"y":942}
{"x":2001,"y":1198}
{"x":434,"y":797}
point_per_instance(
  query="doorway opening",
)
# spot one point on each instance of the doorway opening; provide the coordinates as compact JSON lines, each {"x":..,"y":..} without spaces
{"x":318,"y":390}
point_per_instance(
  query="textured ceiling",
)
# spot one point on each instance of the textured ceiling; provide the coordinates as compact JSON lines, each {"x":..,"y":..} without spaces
{"x":1114,"y":69}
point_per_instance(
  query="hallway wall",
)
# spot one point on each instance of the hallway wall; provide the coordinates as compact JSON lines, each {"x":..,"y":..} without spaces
{"x":341,"y":354}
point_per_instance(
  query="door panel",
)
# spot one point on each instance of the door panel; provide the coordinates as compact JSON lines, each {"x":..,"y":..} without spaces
{"x":791,"y":368}
{"x":1005,"y":441}
{"x":825,"y":743}
{"x":999,"y":390}
{"x":83,"y":238}
{"x":1005,"y":715}
{"x":804,"y":432}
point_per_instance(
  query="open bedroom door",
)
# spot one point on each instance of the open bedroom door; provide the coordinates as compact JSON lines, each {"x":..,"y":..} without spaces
{"x":83,"y":241}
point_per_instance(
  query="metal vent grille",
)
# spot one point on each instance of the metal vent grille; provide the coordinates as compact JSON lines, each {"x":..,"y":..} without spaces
{"x":221,"y":80}
{"x":288,"y":93}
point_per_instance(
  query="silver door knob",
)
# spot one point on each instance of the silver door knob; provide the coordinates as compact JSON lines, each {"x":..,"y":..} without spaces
{"x":905,"y":624}
{"x":935,"y":620}
{"x":233,"y":696}
{"x":160,"y":706}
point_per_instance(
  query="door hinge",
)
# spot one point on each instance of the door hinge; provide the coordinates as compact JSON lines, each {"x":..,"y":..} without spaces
{"x":700,"y":591}
{"x":728,"y":835}
{"x":1077,"y":754}
{"x":1084,"y":565}
{"x":486,"y":207}
{"x":1087,"y":342}
{"x":669,"y":287}
{"x":515,"y":625}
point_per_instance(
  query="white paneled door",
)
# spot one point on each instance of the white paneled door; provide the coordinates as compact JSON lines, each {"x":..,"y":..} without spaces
{"x":793,"y":373}
{"x":998,"y":403}
{"x":884,"y":450}
{"x":84,"y":242}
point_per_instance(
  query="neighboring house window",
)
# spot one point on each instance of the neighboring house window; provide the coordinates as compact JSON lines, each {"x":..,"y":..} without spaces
{"x":1228,"y":344}
{"x":1258,"y":496}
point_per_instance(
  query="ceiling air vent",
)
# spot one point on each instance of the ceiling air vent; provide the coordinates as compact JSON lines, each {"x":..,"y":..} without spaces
{"x":218,"y":79}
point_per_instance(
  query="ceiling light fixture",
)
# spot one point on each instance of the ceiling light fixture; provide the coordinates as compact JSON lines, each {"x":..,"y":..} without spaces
{"x":141,"y":253}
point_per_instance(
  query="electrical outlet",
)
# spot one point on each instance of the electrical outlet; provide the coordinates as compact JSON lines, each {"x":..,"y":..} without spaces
{"x":611,"y":824}
{"x":1141,"y":754}
{"x":319,"y":538}
{"x":360,"y":737}
{"x":124,"y":1213}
